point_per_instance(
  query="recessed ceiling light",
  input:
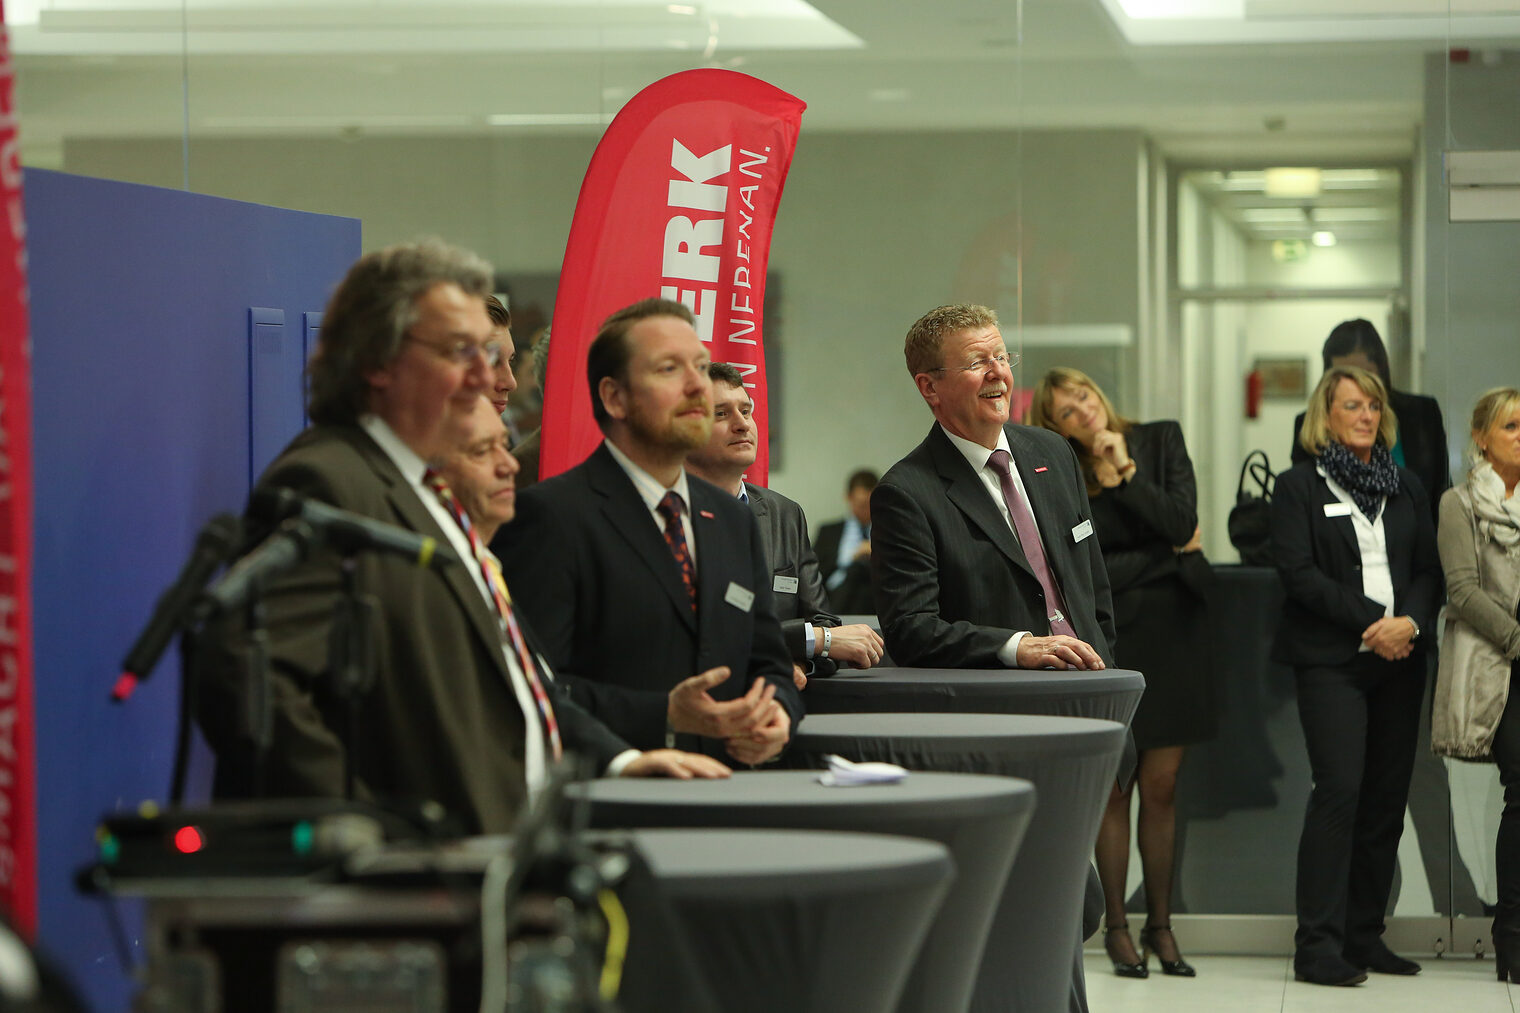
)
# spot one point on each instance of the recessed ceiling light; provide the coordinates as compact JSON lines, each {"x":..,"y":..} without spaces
{"x":1323,"y":238}
{"x":1292,"y":182}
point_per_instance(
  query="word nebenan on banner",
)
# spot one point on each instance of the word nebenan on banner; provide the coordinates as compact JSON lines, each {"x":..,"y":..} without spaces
{"x":679,"y":201}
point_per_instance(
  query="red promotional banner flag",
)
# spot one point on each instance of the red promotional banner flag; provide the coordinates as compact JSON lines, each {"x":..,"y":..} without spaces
{"x":679,"y":201}
{"x":18,"y":809}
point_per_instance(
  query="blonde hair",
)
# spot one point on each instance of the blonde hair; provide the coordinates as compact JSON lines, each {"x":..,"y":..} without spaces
{"x":1041,"y":408}
{"x":921,"y":348}
{"x":1492,"y":406}
{"x":1315,"y":434}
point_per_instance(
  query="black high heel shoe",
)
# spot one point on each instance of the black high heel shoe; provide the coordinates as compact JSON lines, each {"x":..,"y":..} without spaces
{"x":1507,"y":954}
{"x":1123,"y":968}
{"x":1179,"y":968}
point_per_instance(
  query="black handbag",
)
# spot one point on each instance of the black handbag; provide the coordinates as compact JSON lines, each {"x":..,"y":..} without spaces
{"x":1251,"y":517}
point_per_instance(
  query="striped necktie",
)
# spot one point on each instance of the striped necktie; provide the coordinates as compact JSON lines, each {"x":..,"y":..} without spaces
{"x":503,"y":601}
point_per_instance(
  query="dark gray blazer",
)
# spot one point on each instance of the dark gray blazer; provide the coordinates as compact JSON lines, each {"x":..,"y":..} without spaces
{"x":952,"y":583}
{"x":591,"y":569}
{"x":783,"y":529}
{"x":442,"y":721}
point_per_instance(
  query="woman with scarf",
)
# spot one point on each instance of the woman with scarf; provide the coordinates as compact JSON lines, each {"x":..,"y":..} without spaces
{"x":1355,"y":547}
{"x":1475,"y":717}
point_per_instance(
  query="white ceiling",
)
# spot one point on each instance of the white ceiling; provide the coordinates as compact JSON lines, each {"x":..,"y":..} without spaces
{"x":1219,"y":88}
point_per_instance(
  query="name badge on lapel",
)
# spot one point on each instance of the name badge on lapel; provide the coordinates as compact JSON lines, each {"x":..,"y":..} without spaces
{"x":1081,"y":531}
{"x":1337,"y":509}
{"x":740,"y":598}
{"x":784,"y":585}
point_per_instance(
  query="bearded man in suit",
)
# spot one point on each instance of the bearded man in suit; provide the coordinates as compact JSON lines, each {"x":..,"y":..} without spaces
{"x":643,"y":574}
{"x":459,"y":712}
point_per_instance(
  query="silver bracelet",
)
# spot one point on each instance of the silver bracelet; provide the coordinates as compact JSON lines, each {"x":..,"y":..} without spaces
{"x":828,"y":640}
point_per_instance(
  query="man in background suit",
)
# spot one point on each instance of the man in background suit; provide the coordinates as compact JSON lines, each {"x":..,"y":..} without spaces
{"x":844,"y":548}
{"x":642,"y":575}
{"x":814,"y":636}
{"x":983,"y":551}
{"x":452,"y":716}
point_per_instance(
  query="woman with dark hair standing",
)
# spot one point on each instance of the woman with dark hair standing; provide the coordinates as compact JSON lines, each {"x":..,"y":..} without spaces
{"x":1355,"y":547}
{"x":1145,"y":514}
{"x":1421,"y":442}
{"x":1476,"y":716}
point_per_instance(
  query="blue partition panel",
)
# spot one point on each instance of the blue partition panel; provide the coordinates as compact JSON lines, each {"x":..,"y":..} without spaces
{"x":148,"y":410}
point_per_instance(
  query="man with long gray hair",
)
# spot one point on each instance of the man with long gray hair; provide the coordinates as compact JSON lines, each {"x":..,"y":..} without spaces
{"x":461,"y":710}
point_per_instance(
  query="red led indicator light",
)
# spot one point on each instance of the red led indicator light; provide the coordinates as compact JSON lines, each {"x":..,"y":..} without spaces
{"x":188,"y":840}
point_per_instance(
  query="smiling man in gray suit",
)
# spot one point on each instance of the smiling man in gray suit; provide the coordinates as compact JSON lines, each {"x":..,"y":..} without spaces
{"x":982,"y":541}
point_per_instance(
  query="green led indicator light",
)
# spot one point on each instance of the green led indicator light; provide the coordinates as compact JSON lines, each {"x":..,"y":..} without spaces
{"x":110,"y":849}
{"x":302,"y":835}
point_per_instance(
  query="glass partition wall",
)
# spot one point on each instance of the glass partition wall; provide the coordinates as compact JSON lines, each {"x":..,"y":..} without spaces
{"x":1181,"y":206}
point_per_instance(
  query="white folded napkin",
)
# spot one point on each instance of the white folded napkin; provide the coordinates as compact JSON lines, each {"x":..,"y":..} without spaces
{"x":843,"y":773}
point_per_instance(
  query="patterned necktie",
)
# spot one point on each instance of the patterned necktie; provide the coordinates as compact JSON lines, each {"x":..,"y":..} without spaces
{"x":670,"y":508}
{"x":503,"y":601}
{"x":1029,"y":540}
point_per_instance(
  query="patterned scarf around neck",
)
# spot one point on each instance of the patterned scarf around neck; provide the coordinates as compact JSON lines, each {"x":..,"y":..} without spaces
{"x":1369,"y":484}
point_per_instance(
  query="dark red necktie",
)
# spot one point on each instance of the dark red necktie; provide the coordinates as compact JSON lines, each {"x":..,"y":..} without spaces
{"x":675,"y":536}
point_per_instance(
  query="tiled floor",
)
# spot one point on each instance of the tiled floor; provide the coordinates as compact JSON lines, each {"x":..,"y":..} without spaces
{"x":1266,"y":985}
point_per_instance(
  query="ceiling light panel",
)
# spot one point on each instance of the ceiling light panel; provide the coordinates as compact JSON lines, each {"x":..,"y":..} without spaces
{"x":148,"y":27}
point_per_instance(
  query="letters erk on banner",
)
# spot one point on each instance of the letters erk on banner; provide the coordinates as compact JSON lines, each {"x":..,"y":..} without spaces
{"x":679,"y":201}
{"x":18,"y":809}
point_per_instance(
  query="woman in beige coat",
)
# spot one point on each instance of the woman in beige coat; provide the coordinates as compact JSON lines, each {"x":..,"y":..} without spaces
{"x":1475,"y":716}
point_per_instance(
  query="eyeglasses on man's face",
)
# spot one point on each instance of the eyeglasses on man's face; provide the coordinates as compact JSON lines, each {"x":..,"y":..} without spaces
{"x":1009,"y":359}
{"x":463,"y":353}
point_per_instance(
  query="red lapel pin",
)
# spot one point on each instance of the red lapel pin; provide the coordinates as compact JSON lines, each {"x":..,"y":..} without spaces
{"x":1040,"y":469}
{"x":706,"y":513}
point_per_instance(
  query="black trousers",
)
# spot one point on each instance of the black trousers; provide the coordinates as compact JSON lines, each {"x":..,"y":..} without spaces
{"x":1507,"y":844}
{"x":1360,"y":723}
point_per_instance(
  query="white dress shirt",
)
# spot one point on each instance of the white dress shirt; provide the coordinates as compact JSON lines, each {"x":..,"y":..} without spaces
{"x":977,"y":456}
{"x":850,"y":539}
{"x":1372,"y":542}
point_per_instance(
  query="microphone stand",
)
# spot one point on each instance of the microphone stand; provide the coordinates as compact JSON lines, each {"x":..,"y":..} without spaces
{"x":189,"y":683}
{"x":256,"y":717}
{"x":350,"y":659}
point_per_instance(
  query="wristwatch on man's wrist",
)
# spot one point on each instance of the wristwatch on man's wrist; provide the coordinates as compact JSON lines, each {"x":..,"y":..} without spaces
{"x":1416,"y":634}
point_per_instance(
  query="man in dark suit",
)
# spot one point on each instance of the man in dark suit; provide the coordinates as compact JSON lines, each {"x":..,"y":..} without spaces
{"x":642,"y":575}
{"x":844,"y":548}
{"x":814,"y":636}
{"x":955,"y":586}
{"x":982,"y":545}
{"x":452,"y":715}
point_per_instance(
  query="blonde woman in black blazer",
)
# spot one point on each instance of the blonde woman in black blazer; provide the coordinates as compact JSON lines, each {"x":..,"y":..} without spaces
{"x":1356,"y":550}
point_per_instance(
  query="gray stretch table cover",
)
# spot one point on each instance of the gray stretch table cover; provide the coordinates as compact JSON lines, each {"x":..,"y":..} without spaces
{"x":1112,"y":694}
{"x":1027,"y":963}
{"x":980,"y":819}
{"x":801,"y":921}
